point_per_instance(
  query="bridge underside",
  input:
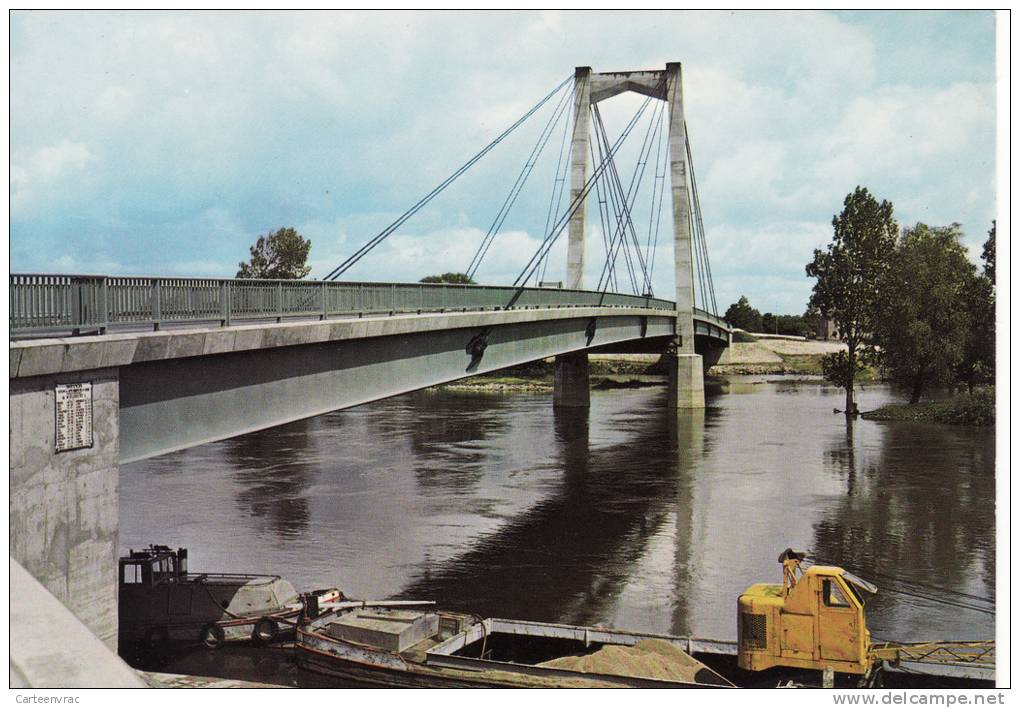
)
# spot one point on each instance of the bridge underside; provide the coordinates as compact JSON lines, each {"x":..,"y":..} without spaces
{"x":172,"y":404}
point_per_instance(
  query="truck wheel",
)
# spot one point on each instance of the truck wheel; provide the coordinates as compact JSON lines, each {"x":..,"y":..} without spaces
{"x":212,"y":636}
{"x":265,"y":631}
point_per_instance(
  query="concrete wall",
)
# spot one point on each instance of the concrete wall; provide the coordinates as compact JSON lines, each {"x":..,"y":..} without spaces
{"x":63,"y":506}
{"x":63,"y":653}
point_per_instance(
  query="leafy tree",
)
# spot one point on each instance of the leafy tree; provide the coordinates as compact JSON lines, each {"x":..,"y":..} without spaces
{"x":922,"y":321}
{"x":280,"y":254}
{"x":847,"y":281}
{"x":741,"y":315}
{"x":988,"y":254}
{"x":978,"y":365}
{"x":456,"y":278}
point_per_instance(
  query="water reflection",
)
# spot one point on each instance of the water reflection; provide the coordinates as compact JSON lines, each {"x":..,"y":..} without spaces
{"x":274,"y":471}
{"x":687,"y":433}
{"x":918,"y":517}
{"x":565,"y":558}
{"x":448,"y":439}
{"x":626,"y":515}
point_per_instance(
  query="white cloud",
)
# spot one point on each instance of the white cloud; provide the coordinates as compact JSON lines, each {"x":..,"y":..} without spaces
{"x":171,"y":121}
{"x":32,"y":174}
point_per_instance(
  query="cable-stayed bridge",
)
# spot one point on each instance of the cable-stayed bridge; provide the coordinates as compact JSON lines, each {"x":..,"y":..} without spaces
{"x":110,"y":369}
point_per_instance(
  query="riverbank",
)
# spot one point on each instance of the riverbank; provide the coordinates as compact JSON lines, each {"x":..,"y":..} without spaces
{"x":783,"y":357}
{"x":963,"y":409}
{"x":606,"y":371}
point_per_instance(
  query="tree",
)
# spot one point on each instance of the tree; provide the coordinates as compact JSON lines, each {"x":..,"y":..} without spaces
{"x":847,"y":280}
{"x":988,"y":254}
{"x":280,"y":254}
{"x":923,"y":319}
{"x":741,"y":315}
{"x":978,"y":365}
{"x":455,"y":278}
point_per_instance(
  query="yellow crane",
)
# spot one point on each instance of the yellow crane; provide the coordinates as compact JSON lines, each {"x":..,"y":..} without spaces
{"x":815,"y":620}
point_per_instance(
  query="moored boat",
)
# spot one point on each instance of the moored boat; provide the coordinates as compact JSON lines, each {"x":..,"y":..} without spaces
{"x":160,"y":602}
{"x":808,"y":631}
{"x":411,"y":644}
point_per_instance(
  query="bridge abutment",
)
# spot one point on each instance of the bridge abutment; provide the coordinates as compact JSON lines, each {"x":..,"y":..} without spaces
{"x":64,"y":515}
{"x":571,"y":382}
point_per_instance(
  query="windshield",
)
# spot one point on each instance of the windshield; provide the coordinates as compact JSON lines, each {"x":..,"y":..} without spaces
{"x":856,"y":585}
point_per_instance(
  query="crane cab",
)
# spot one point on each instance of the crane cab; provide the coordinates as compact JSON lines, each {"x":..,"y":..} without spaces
{"x":814,"y":620}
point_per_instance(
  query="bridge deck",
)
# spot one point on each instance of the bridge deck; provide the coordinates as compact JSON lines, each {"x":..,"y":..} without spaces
{"x":47,"y":304}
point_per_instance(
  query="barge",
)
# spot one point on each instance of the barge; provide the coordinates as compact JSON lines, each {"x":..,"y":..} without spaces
{"x":808,"y":631}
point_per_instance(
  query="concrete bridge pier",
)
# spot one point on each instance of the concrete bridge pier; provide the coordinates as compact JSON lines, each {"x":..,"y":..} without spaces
{"x":63,"y":505}
{"x":686,"y":381}
{"x":571,"y":381}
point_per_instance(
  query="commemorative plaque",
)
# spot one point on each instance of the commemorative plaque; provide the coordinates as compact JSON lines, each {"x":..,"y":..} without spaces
{"x":74,"y":416}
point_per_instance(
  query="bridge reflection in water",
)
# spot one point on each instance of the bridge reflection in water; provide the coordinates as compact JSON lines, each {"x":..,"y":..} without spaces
{"x":626,"y":516}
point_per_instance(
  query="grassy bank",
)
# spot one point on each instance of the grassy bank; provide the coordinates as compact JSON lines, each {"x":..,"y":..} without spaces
{"x":606,"y":372}
{"x":963,"y":409}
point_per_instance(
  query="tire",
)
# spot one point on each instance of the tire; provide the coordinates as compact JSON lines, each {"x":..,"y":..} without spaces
{"x":212,"y":636}
{"x":265,"y":631}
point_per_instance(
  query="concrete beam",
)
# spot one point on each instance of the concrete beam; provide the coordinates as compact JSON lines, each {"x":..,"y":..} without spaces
{"x":608,"y":84}
{"x":175,"y":403}
{"x":41,"y":357}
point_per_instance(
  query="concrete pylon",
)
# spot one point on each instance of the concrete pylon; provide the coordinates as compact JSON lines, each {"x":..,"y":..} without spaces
{"x":578,"y":176}
{"x":570,"y":375}
{"x":686,"y":367}
{"x":688,"y":390}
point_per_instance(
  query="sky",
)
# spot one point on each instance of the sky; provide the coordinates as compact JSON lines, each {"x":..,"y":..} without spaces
{"x":165,"y":143}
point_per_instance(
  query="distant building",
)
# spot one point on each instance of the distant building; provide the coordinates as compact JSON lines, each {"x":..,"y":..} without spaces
{"x":827,"y":329}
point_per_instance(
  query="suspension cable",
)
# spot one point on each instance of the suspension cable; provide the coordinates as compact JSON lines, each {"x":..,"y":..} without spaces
{"x":627,"y":225}
{"x":559,"y":184}
{"x":518,"y":185}
{"x":618,"y":214}
{"x":382,"y":235}
{"x":700,"y":224}
{"x":575,"y":204}
{"x":603,"y":216}
{"x":655,"y":215}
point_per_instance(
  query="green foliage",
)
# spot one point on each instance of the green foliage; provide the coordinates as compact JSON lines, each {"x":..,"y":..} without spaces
{"x":839,"y":371}
{"x":847,"y":279}
{"x":988,"y":254}
{"x":743,"y":338}
{"x":978,"y":363}
{"x":741,"y":315}
{"x":455,"y":278}
{"x":977,"y":408}
{"x":278,"y":255}
{"x":922,"y":323}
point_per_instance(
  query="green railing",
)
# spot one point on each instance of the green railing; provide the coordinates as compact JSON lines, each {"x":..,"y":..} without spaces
{"x":41,"y":302}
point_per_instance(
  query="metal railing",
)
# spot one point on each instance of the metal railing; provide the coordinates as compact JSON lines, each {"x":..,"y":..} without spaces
{"x":46,"y":302}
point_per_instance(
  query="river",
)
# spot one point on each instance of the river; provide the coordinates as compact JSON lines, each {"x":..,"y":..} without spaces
{"x":623,"y":515}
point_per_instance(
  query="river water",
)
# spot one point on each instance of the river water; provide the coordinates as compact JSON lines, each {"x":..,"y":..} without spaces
{"x":625,"y":515}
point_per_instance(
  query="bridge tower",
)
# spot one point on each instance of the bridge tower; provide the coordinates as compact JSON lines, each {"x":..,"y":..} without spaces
{"x":687,"y":388}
